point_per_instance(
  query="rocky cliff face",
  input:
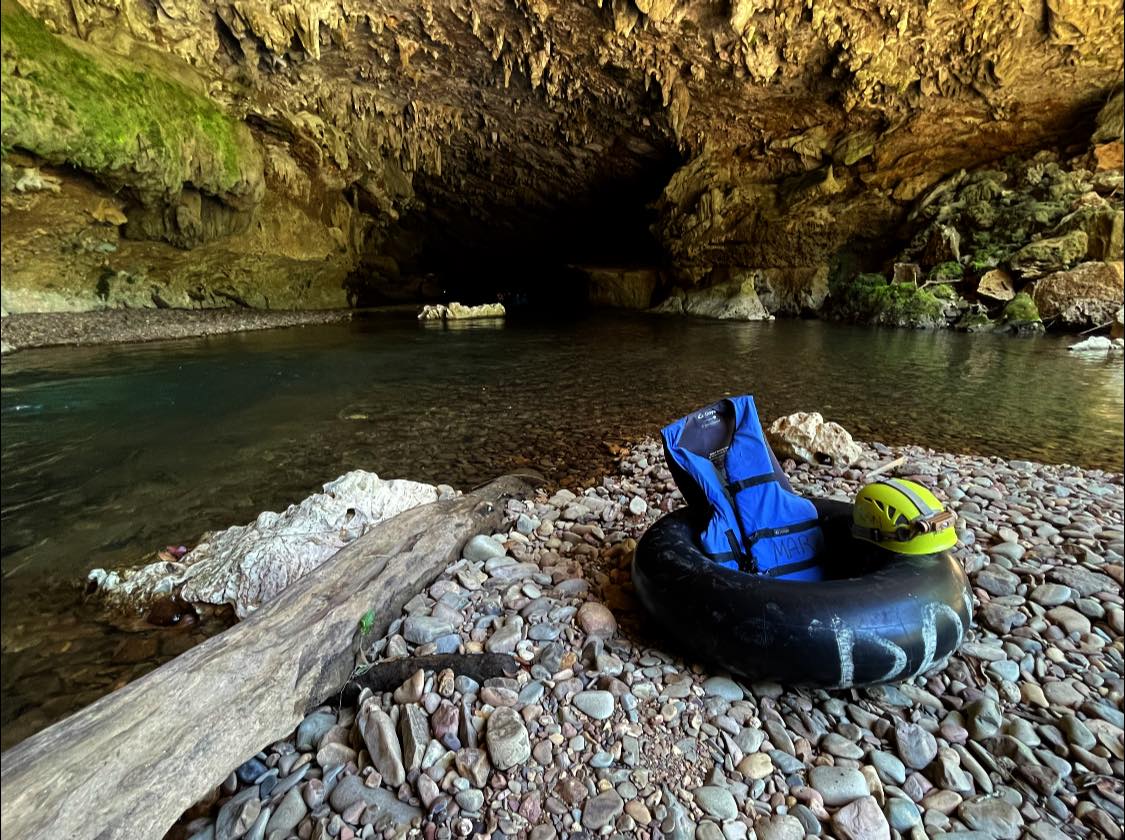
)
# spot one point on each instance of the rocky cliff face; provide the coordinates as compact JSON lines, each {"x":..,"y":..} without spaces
{"x":312,"y":153}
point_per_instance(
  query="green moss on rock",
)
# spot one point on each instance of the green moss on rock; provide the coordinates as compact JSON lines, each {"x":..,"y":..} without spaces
{"x":68,"y":102}
{"x":870,"y":299}
{"x":974,"y":322}
{"x":945,"y":291}
{"x":1021,"y":309}
{"x":947,"y":271}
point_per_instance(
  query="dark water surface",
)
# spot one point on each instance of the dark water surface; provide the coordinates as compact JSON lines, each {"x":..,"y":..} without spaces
{"x":109,"y":453}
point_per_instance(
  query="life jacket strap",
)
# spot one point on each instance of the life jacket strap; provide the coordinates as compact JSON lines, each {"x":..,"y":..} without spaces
{"x":739,"y":549}
{"x":736,"y":487}
{"x":795,"y":528}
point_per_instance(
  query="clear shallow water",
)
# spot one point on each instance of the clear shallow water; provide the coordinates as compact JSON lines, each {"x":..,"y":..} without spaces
{"x":109,"y":453}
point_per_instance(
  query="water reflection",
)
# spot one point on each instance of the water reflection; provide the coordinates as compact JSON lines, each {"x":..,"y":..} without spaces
{"x":109,"y":453}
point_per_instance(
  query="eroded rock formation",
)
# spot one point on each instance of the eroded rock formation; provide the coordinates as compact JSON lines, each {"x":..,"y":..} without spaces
{"x":312,"y":154}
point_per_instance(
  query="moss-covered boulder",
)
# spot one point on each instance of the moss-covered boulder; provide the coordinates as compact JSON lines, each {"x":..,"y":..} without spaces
{"x":1021,"y":310}
{"x":1045,"y":256}
{"x":870,"y":299}
{"x":1104,"y":226}
{"x":132,"y":126}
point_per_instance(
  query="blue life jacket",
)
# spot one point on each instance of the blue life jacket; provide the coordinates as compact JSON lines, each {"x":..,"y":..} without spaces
{"x":727,"y":472}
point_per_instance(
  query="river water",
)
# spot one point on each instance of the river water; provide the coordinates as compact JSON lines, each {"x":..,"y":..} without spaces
{"x":109,"y":453}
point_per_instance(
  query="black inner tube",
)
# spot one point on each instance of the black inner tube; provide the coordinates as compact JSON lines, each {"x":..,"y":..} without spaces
{"x":882,"y":617}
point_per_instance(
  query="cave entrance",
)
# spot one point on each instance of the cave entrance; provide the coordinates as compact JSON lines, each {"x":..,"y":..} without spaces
{"x":523,"y":235}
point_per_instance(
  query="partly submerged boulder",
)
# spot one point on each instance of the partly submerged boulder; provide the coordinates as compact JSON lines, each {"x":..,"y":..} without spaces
{"x":247,"y":565}
{"x":734,"y":300}
{"x":807,"y":436}
{"x":1087,"y":295}
{"x":459,"y":312}
{"x":1098,"y":345}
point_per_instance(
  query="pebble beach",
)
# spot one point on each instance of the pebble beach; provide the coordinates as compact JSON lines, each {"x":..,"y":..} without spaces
{"x":608,"y":730}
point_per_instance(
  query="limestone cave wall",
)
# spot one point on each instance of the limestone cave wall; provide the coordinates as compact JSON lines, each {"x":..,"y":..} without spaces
{"x":207,"y":152}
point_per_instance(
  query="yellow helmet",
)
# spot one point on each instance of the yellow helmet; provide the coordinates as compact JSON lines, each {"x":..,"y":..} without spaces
{"x":903,"y":516}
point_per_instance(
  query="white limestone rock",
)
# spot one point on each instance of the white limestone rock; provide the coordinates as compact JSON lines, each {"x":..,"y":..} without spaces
{"x":247,"y":565}
{"x":808,"y":437}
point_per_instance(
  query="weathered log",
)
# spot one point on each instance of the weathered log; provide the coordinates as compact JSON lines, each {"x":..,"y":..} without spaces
{"x":391,"y":673}
{"x":131,"y":763}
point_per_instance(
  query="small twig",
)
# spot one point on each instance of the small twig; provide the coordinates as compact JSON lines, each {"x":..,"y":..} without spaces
{"x":1098,"y":327}
{"x":890,"y":465}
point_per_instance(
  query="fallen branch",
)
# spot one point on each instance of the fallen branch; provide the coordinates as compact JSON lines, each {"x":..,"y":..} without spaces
{"x":131,"y":763}
{"x":384,"y":676}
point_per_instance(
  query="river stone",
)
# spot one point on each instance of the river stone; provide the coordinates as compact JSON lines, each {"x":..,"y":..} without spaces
{"x":601,"y":810}
{"x":902,"y":814}
{"x":250,"y":770}
{"x":1051,"y":594}
{"x":993,"y":816}
{"x":1077,"y":732}
{"x":313,"y":728}
{"x":1062,"y":694}
{"x":482,"y":548}
{"x":890,"y":769}
{"x":839,"y":746}
{"x":508,"y":742}
{"x":1000,"y":619}
{"x":838,"y":785}
{"x":749,"y":739}
{"x":779,"y":827}
{"x":473,"y":764}
{"x":716,"y":802}
{"x":507,"y":637}
{"x":378,"y":733}
{"x":756,"y":766}
{"x":1070,"y":620}
{"x":414,"y":732}
{"x":861,"y":820}
{"x":596,"y":620}
{"x":982,"y":718}
{"x":290,"y":811}
{"x":597,"y":704}
{"x":722,"y":687}
{"x":996,"y":580}
{"x":1008,"y":550}
{"x":381,"y":801}
{"x":808,"y":819}
{"x":238,"y":814}
{"x":423,"y":629}
{"x":916,"y":747}
{"x":471,"y":800}
{"x":1005,"y":670}
{"x":1084,"y":581}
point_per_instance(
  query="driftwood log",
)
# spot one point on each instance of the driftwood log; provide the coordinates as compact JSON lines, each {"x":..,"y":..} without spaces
{"x":131,"y":763}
